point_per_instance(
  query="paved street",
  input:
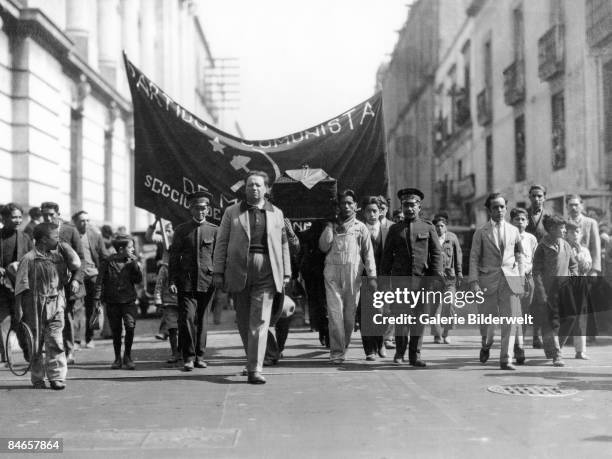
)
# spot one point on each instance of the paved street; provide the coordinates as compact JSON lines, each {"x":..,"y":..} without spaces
{"x":311,"y":409}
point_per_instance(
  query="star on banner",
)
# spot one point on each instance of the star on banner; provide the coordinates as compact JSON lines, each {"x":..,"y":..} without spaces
{"x":217,"y":146}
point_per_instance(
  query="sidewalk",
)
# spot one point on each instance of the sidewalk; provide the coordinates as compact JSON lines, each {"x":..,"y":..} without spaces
{"x":309,"y":408}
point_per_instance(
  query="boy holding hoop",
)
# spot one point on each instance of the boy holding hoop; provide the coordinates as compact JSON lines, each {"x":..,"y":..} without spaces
{"x":39,"y":301}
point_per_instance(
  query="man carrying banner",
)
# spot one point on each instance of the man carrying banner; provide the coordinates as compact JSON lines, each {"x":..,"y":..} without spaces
{"x":252,"y":262}
{"x":190,"y":272}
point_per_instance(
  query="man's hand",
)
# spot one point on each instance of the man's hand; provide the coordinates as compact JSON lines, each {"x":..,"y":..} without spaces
{"x":74,"y":287}
{"x":372,"y":284}
{"x":475,"y":287}
{"x":17,"y":313}
{"x":218,"y":281}
{"x":459,"y":281}
{"x":172,"y":289}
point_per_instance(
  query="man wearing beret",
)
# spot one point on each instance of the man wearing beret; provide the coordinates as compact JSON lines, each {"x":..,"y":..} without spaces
{"x":190,"y":271}
{"x":412,"y":250}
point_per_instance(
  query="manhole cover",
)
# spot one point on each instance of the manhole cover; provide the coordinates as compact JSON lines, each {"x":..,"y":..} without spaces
{"x":532,"y":390}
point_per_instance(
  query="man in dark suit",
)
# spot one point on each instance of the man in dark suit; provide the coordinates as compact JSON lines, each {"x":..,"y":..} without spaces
{"x":412,"y":249}
{"x":14,"y":244}
{"x":535,"y":226}
{"x":74,"y":291}
{"x":535,"y":213}
{"x":94,"y":252}
{"x":190,"y":273}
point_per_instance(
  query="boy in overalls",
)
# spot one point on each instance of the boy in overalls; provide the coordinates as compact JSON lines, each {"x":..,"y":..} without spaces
{"x":39,"y":301}
{"x":349,"y":250}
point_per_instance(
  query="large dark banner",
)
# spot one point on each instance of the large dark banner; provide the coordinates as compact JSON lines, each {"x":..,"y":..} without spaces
{"x":177,"y":153}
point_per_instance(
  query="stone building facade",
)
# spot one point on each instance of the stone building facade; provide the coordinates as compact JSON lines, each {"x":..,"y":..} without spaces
{"x":65,"y":110}
{"x":536,"y":106}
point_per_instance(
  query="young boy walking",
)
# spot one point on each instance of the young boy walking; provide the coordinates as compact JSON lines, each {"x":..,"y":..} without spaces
{"x":520,"y":218}
{"x":39,"y":301}
{"x":116,"y":287}
{"x":553,"y":262}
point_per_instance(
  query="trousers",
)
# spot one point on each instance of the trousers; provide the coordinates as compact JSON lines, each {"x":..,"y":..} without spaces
{"x":502,"y":303}
{"x":192,"y":323}
{"x":48,"y":336}
{"x":253,"y":306}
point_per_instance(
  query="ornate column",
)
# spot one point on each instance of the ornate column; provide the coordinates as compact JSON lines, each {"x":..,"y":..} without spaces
{"x":109,"y":36}
{"x":77,"y":25}
{"x":80,"y":91}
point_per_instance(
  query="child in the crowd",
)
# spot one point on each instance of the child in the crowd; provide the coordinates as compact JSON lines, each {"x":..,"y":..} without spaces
{"x":520,"y":218}
{"x":39,"y":301}
{"x":168,"y":301}
{"x":116,"y":287}
{"x":585,"y":263}
{"x":553,"y":262}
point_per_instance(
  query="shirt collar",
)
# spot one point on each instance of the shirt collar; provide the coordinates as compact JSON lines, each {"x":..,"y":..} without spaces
{"x":244,"y":206}
{"x":197,"y":222}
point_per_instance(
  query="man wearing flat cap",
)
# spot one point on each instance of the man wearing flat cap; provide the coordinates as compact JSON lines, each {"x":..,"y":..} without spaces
{"x":412,"y":250}
{"x":190,"y":271}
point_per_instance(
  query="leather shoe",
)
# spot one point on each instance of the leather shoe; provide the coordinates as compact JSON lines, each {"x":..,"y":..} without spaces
{"x":199,"y":364}
{"x":371,"y":357}
{"x":39,"y":385}
{"x":582,"y":356}
{"x":558,"y":362}
{"x":116,"y":364}
{"x":128,"y":363}
{"x":57,"y":385}
{"x":484,"y":355}
{"x":245,"y":372}
{"x":418,"y":363}
{"x":255,"y":377}
{"x":398,"y":360}
{"x":437,"y":340}
{"x":188,"y":366}
{"x":519,"y":354}
{"x":507,"y":366}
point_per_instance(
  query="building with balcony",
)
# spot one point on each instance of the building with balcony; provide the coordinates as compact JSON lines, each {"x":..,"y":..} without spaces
{"x":65,"y":109}
{"x":539,"y":79}
{"x":408,"y":95}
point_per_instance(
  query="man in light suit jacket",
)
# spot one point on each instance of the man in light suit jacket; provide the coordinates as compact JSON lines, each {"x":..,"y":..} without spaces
{"x":496,"y":269}
{"x":94,"y":251}
{"x":252,"y":262}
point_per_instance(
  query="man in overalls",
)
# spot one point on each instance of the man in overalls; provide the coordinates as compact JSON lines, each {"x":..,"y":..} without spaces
{"x":349,"y":250}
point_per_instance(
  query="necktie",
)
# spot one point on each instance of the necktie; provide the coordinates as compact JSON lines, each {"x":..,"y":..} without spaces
{"x":500,"y":239}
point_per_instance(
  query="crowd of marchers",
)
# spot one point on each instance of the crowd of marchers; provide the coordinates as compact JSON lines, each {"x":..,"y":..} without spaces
{"x":59,"y":277}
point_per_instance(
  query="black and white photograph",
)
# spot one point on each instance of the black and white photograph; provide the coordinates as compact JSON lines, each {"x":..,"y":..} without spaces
{"x":323,"y":229}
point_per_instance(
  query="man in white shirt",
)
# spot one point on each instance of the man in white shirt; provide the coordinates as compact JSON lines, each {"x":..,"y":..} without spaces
{"x":496,"y":269}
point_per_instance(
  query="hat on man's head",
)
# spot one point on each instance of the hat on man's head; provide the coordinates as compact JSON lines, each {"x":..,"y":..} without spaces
{"x":410,"y":193}
{"x":199,"y":196}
